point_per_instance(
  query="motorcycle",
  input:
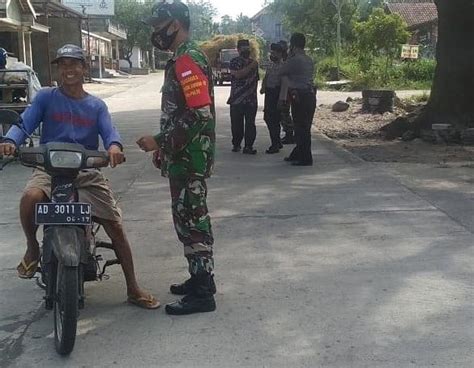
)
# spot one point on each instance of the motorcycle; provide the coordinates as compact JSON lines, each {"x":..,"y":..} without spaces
{"x":69,"y":250}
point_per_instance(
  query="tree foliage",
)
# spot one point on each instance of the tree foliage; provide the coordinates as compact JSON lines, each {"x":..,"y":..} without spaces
{"x":318,"y":20}
{"x":367,"y":6}
{"x":129,"y":14}
{"x":229,"y":25}
{"x":202,"y":19}
{"x":380,"y":35}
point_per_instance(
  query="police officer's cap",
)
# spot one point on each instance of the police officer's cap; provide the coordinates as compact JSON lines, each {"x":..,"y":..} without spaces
{"x":167,"y":10}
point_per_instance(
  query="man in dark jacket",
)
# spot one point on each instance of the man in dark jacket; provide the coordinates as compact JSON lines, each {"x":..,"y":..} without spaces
{"x":243,"y":99}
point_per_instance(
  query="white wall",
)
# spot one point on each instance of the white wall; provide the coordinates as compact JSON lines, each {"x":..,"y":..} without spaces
{"x":136,"y":59}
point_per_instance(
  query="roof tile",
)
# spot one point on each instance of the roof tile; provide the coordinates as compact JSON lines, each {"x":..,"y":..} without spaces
{"x":415,"y":13}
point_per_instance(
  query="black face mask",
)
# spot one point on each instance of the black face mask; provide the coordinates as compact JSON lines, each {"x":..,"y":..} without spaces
{"x":245,"y":54}
{"x":161,"y":40}
{"x":274,"y":58}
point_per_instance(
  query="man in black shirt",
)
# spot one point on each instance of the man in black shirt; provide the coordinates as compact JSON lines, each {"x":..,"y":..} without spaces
{"x":243,"y":99}
{"x":297,"y":74}
{"x":286,"y":119}
{"x":271,"y":87}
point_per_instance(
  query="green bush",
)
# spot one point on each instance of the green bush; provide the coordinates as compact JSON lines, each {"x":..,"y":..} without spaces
{"x":406,"y":75}
{"x":349,"y":67}
{"x":380,"y":36}
{"x":419,"y":70}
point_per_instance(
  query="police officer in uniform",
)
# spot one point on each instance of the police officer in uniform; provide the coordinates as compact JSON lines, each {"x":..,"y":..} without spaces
{"x":298,"y":74}
{"x":271,"y":87}
{"x":286,"y":120}
{"x":184,"y":150}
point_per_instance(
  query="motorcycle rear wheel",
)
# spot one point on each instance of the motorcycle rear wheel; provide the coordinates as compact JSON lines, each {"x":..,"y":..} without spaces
{"x":66,"y":309}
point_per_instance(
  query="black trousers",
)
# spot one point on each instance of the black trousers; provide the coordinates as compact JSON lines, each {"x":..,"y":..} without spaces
{"x":242,"y":118}
{"x":272,"y":115}
{"x":303,"y":108}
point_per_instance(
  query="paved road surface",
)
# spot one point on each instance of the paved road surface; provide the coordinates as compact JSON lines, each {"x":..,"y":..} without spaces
{"x":344,"y":264}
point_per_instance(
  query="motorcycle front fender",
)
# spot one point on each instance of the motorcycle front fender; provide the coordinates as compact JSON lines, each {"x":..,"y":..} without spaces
{"x":68,"y":243}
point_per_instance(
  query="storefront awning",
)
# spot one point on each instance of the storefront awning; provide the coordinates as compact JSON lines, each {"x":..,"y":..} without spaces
{"x":96,"y":36}
{"x":9,"y":25}
{"x":38,"y":28}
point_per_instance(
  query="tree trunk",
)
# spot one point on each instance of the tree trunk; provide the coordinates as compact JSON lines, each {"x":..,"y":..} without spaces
{"x":127,"y":55}
{"x":452,"y":94}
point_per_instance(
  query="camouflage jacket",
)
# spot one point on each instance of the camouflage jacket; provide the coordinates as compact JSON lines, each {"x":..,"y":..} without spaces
{"x":187,"y":134}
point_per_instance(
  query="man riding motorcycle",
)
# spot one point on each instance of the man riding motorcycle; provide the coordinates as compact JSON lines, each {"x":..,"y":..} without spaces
{"x":70,"y":115}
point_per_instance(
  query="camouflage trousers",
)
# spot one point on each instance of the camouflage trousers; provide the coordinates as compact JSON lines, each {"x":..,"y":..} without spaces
{"x":193,"y":223}
{"x":286,"y":120}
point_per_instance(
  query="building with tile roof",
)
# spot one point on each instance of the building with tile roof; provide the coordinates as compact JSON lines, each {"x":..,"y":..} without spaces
{"x":421,"y":17}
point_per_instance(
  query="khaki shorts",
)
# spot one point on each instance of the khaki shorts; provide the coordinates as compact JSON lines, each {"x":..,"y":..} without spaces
{"x":92,"y":187}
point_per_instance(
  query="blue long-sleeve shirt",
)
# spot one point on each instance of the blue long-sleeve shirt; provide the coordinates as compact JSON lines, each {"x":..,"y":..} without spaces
{"x":67,"y":120}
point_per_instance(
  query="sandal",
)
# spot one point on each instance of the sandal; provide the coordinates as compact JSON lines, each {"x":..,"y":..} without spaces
{"x":27,"y":271}
{"x":149,"y":302}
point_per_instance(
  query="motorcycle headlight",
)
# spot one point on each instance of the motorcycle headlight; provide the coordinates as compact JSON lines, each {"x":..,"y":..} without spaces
{"x":65,"y":159}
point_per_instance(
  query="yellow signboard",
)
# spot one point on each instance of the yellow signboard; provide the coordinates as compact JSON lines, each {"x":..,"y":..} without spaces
{"x":410,"y":51}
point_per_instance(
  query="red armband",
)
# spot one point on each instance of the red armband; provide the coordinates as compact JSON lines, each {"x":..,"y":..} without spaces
{"x":193,"y":81}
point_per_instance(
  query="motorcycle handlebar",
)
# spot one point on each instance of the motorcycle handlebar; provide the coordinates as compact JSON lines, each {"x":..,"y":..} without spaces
{"x":39,"y":156}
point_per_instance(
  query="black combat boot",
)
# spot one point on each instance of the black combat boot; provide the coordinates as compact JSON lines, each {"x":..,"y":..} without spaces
{"x":272,"y":150}
{"x":249,"y":151}
{"x":200,"y":300}
{"x":187,"y":286}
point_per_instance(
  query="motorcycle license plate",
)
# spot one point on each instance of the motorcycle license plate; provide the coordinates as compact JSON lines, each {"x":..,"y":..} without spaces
{"x":63,"y":214}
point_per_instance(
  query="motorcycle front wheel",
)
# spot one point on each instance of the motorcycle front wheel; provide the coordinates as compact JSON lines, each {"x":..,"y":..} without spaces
{"x":66,"y":308}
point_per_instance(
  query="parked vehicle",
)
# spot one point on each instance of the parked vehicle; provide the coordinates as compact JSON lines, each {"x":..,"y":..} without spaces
{"x":221,"y":69}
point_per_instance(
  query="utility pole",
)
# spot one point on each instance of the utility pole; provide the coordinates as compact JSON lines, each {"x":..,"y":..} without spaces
{"x":153,"y":60}
{"x":100,"y":60}
{"x":88,"y":40}
{"x":48,"y":51}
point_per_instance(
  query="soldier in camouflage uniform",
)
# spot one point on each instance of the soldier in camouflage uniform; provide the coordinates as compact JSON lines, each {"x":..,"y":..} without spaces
{"x":184,"y":150}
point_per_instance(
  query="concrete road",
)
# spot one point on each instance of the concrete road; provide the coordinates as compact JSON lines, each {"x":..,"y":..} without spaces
{"x":344,"y":264}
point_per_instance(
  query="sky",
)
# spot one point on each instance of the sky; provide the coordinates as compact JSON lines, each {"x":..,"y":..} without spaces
{"x":235,"y":7}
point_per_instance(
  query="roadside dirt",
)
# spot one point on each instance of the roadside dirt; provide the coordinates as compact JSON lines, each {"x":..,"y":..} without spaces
{"x":360,"y":134}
